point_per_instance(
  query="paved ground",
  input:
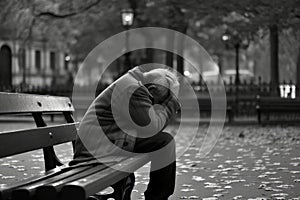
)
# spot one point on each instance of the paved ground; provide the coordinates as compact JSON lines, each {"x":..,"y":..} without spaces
{"x":248,"y":162}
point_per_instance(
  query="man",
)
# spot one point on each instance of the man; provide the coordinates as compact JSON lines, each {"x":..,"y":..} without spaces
{"x":129,"y":116}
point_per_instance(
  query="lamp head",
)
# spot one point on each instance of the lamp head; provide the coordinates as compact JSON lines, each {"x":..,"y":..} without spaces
{"x":127,"y":17}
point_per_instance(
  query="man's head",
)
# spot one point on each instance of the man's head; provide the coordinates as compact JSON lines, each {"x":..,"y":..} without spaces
{"x":159,"y":83}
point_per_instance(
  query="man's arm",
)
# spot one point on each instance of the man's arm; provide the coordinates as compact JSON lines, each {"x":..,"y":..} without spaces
{"x":144,"y":114}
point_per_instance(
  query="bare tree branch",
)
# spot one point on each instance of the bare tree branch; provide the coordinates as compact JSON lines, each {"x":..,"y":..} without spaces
{"x":6,"y":11}
{"x":70,"y":14}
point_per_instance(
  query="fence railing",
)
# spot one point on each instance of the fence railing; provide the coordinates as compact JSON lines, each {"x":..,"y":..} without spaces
{"x":244,"y":94}
{"x":253,"y":88}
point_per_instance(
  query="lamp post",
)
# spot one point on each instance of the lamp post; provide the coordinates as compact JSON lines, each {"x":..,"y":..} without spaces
{"x":127,"y":17}
{"x":233,"y":40}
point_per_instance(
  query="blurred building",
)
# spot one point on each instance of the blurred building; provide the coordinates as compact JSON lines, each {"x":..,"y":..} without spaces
{"x":36,"y":63}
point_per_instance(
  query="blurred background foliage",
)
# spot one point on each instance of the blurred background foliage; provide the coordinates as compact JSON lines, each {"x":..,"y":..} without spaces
{"x":81,"y":25}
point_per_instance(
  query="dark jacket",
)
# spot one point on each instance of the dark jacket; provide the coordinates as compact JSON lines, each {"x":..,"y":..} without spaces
{"x":99,"y":132}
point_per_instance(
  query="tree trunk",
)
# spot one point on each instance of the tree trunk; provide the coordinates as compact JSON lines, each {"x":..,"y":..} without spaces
{"x":274,"y":56}
{"x":298,"y":73}
{"x":149,"y":55}
{"x":180,"y":64}
{"x":220,"y":63}
{"x":179,"y":58}
{"x":170,"y":37}
{"x":170,"y":46}
{"x":182,"y":27}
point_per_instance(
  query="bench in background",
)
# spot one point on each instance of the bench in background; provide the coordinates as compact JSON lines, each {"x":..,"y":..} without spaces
{"x":204,"y":104}
{"x":278,"y":108}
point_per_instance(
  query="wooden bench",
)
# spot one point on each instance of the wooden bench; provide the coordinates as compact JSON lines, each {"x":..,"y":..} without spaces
{"x":59,"y":181}
{"x":205,"y":106}
{"x":277,"y":106}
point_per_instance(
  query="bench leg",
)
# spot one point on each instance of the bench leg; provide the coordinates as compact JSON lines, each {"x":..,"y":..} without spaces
{"x":230,"y":116}
{"x":129,"y":184}
{"x":122,"y":190}
{"x":259,"y":116}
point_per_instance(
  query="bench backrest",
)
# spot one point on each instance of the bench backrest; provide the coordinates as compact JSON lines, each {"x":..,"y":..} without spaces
{"x":278,"y":101}
{"x":13,"y":103}
{"x":204,"y":103}
{"x":20,"y":141}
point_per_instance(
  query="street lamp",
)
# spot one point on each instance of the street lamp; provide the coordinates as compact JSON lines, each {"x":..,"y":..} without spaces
{"x":233,"y":40}
{"x":127,"y":16}
{"x":225,"y":37}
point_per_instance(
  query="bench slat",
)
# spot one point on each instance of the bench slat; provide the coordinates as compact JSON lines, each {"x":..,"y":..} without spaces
{"x":6,"y":191}
{"x":272,"y":105}
{"x":82,"y":188}
{"x":21,"y":141}
{"x":14,"y":103}
{"x":50,"y":190}
{"x":27,"y":191}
